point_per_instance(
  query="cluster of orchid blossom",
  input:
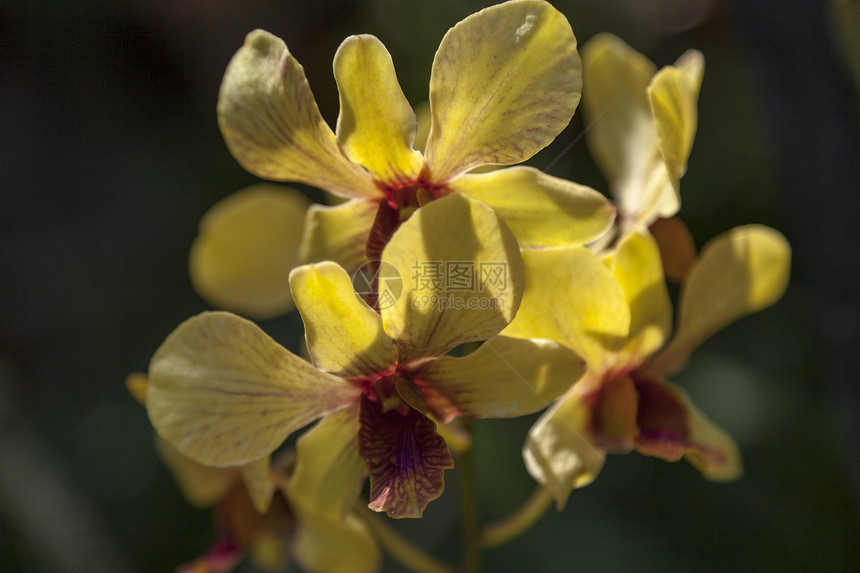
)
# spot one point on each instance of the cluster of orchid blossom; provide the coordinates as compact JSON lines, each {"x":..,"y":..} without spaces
{"x":487,"y":293}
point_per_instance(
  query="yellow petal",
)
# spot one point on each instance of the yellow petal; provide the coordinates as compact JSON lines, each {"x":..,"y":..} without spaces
{"x":503,"y":378}
{"x":260,"y":487}
{"x":637,"y":266}
{"x":573,"y":298}
{"x":329,"y":474}
{"x":541,"y":210}
{"x":338,"y":233}
{"x":246,"y":247}
{"x":462,"y":277}
{"x":343,"y":334}
{"x":622,"y":136}
{"x":202,"y":486}
{"x":137,"y":384}
{"x":674,"y":94}
{"x":325,"y":545}
{"x":272,"y":125}
{"x":739,"y":272}
{"x":225,"y":394}
{"x":559,"y":452}
{"x":505,"y":81}
{"x":677,"y":249}
{"x":376,"y":125}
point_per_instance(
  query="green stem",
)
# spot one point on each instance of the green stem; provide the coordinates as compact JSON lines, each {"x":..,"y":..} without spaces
{"x":399,"y":547}
{"x":517,"y":523}
{"x":471,"y":531}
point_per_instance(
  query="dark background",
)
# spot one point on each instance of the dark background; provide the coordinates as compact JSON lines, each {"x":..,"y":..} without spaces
{"x":110,"y":153}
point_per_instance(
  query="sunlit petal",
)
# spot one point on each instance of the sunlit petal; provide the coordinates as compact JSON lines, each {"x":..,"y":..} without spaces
{"x":503,"y":378}
{"x":225,"y":394}
{"x":271,"y":123}
{"x":246,"y":247}
{"x":338,"y":233}
{"x":739,"y":272}
{"x":573,"y":298}
{"x":462,"y":277}
{"x":505,"y":81}
{"x":559,"y":451}
{"x":376,"y":125}
{"x":541,"y":210}
{"x":343,"y":334}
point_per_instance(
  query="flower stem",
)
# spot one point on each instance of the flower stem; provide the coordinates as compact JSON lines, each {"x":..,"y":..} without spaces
{"x":398,"y":546}
{"x":471,"y":531}
{"x":517,"y":523}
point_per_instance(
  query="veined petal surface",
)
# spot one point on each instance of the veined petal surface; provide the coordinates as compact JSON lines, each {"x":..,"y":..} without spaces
{"x":503,"y":378}
{"x":338,"y":233}
{"x":541,"y":210}
{"x":505,"y":82}
{"x":271,"y":123}
{"x":376,"y":125}
{"x":247,"y":245}
{"x":225,"y":394}
{"x":571,"y":297}
{"x":329,"y":474}
{"x":739,"y":272}
{"x":462,"y":274}
{"x":343,"y":334}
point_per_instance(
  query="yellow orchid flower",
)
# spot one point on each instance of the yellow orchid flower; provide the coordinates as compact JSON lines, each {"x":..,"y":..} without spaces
{"x":261,"y":518}
{"x":225,"y":394}
{"x":642,"y":125}
{"x":505,"y":81}
{"x":616,"y":314}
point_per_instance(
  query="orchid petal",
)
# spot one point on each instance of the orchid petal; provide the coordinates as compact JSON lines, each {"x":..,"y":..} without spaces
{"x":503,"y":378}
{"x":337,"y":233}
{"x":325,"y":545}
{"x":505,"y":82}
{"x":202,"y":486}
{"x":247,"y":245}
{"x":466,"y":277}
{"x":673,"y":95}
{"x":573,"y":298}
{"x":343,"y":334}
{"x":329,"y":474}
{"x":740,"y":272}
{"x":260,"y":487}
{"x":541,"y":210}
{"x":637,"y":266}
{"x":272,"y":125}
{"x":405,"y":457}
{"x":225,"y":394}
{"x":559,"y":452}
{"x":376,"y":125}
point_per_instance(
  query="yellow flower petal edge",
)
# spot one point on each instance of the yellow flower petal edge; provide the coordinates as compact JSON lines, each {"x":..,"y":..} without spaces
{"x":637,"y":265}
{"x":505,"y":82}
{"x":559,"y":453}
{"x":376,"y":125}
{"x":246,"y":247}
{"x":462,"y":277}
{"x":337,"y":233}
{"x":224,"y":393}
{"x":541,"y":210}
{"x":272,"y":125}
{"x":503,"y":378}
{"x":343,"y":334}
{"x":260,"y":487}
{"x":329,"y":474}
{"x":571,"y":297}
{"x":673,"y":95}
{"x":739,"y":272}
{"x":202,"y":486}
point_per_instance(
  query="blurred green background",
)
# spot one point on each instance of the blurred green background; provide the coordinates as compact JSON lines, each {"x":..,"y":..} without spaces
{"x":110,"y":153}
